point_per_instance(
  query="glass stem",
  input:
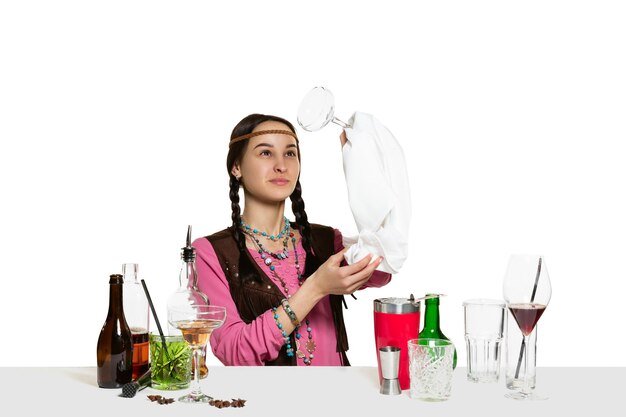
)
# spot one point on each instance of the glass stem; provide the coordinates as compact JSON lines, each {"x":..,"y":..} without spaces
{"x":522,"y":348}
{"x":195,"y":389}
{"x":341,"y":123}
{"x":526,"y":385}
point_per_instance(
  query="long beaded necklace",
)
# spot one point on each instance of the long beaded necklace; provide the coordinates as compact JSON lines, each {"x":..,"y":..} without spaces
{"x":310,"y":343}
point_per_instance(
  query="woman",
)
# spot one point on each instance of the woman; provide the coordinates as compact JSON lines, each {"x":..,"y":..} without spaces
{"x":281,"y":282}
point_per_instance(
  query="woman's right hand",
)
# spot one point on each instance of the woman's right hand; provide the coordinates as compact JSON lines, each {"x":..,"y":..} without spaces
{"x":332,"y":278}
{"x":343,"y":138}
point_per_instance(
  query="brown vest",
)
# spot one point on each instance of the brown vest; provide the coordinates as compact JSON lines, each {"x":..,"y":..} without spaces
{"x":253,"y":299}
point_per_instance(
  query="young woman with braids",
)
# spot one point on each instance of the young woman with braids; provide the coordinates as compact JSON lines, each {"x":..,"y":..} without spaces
{"x":282,"y":282}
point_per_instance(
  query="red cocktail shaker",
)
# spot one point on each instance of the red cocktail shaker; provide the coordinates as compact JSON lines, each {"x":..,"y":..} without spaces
{"x":396,"y":321}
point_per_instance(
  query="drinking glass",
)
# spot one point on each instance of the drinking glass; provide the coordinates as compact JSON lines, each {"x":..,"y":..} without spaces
{"x":431,"y":368}
{"x":170,"y":362}
{"x":317,"y":109}
{"x":196,"y":322}
{"x":527,"y":292}
{"x":484,"y":330}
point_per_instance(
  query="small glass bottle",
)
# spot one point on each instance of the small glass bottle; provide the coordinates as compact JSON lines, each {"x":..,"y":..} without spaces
{"x":432,"y":329}
{"x":188,"y":291}
{"x":137,"y":313}
{"x":115,"y":347}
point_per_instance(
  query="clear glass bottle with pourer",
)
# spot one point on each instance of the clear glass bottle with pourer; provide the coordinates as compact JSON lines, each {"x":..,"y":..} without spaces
{"x":188,"y":292}
{"x":137,"y":312}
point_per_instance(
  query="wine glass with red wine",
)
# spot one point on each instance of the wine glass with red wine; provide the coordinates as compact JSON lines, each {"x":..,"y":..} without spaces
{"x":527,"y":292}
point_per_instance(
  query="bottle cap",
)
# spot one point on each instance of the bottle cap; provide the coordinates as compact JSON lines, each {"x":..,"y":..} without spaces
{"x":432,"y":298}
{"x":116,"y":279}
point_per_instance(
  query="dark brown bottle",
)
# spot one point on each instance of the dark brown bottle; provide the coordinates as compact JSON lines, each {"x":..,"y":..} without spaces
{"x":115,"y":346}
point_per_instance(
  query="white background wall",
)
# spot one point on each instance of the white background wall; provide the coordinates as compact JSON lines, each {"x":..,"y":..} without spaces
{"x":115,"y":118}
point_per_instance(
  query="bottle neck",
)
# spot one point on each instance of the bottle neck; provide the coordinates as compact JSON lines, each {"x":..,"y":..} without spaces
{"x":115,"y":300}
{"x":431,"y":316}
{"x":129,"y":271}
{"x":188,"y":277}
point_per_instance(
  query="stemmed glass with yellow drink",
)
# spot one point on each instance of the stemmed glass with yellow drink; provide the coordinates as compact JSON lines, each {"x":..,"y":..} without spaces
{"x":196,"y":321}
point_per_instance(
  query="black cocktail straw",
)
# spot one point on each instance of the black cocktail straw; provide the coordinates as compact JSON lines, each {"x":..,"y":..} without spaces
{"x":156,"y":318}
{"x":532,"y":300}
{"x":532,"y":297}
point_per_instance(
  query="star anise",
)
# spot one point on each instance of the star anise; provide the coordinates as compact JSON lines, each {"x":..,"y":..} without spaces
{"x":225,"y":403}
{"x":238,"y":403}
{"x":160,"y":400}
{"x":166,"y":400}
{"x":219,"y":403}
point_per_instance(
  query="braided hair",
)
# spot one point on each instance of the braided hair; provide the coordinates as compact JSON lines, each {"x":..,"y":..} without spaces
{"x":247,"y":271}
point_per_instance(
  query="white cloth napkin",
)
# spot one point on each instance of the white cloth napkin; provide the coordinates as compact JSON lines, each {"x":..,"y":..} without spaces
{"x":378,"y":193}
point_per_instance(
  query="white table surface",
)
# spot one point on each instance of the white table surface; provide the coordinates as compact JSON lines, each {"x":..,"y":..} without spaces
{"x":300,"y":391}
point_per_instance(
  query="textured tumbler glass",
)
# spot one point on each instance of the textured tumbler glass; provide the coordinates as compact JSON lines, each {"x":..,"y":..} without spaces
{"x":430,"y":368}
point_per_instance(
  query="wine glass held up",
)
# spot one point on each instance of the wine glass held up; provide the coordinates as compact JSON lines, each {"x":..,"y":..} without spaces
{"x":196,"y":322}
{"x":317,"y":109}
{"x":527,"y":291}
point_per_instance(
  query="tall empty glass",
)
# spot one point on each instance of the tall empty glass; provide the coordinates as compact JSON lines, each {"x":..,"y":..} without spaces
{"x":484,"y":331}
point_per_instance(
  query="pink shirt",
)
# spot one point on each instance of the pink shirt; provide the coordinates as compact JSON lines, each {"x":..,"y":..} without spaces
{"x":238,"y":343}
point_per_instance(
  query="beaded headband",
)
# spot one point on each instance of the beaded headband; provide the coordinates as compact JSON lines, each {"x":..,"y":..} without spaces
{"x":262,"y":132}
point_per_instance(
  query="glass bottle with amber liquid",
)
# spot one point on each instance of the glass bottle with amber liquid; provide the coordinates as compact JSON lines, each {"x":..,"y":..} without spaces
{"x":137,"y":313}
{"x":432,"y":328}
{"x":188,"y":292}
{"x":115,"y":347}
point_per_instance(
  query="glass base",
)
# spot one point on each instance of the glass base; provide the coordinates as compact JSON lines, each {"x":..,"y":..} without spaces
{"x":165,"y":386}
{"x":195,"y":398}
{"x":530,"y":396}
{"x":482,"y":379}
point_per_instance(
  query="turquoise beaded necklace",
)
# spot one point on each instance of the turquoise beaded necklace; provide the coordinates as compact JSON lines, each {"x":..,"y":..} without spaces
{"x":310,"y":345}
{"x":247,"y":228}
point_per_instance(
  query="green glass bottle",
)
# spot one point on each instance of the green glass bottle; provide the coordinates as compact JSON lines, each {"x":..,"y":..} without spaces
{"x":431,"y":329}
